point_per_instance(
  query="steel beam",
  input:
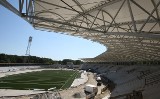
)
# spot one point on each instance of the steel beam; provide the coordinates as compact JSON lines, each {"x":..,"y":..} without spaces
{"x":132,"y":16}
{"x":155,"y":8}
{"x":99,"y":6}
{"x":116,"y":15}
{"x":7,"y":5}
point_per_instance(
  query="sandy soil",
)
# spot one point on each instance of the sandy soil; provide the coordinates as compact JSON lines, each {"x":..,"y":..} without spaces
{"x":69,"y":93}
{"x":17,"y":72}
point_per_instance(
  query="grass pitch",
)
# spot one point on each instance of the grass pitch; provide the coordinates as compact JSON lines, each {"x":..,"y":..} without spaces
{"x":45,"y":79}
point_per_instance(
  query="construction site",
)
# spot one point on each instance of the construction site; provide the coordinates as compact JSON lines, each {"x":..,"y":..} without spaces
{"x":130,"y":31}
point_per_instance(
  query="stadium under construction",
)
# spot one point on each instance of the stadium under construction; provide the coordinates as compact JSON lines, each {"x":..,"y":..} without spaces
{"x":130,"y":30}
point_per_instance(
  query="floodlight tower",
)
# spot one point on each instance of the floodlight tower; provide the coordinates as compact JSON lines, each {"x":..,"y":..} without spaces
{"x":29,"y":45}
{"x":26,"y":59}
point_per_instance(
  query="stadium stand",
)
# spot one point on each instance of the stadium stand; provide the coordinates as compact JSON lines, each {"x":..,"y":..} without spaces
{"x":130,"y":30}
{"x":130,"y":81}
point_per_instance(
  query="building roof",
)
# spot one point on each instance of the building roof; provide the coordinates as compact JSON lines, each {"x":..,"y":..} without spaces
{"x":130,"y":29}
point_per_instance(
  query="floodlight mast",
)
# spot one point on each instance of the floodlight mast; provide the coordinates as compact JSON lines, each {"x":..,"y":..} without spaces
{"x":29,"y":45}
{"x":26,"y":59}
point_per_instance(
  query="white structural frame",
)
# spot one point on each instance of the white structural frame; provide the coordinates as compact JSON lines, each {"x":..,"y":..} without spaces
{"x":130,"y":29}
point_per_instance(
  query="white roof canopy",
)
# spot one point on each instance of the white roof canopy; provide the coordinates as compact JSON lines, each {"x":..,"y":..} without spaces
{"x":130,"y":29}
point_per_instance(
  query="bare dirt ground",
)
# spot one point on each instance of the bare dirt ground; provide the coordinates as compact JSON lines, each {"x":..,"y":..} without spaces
{"x":69,"y":93}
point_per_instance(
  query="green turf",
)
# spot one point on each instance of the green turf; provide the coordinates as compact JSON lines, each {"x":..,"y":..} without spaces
{"x":45,"y":79}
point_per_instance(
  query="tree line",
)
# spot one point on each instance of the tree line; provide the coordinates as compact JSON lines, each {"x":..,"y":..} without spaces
{"x":4,"y":58}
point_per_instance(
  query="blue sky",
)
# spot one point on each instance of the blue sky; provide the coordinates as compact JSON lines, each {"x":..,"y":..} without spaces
{"x":14,"y":34}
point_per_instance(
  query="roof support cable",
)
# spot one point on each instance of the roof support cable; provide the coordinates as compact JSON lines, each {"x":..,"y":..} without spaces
{"x":152,"y":27}
{"x":116,"y":15}
{"x":75,"y":11}
{"x":155,"y":8}
{"x":132,"y":16}
{"x":157,"y":13}
{"x":94,"y":19}
{"x":142,"y":9}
